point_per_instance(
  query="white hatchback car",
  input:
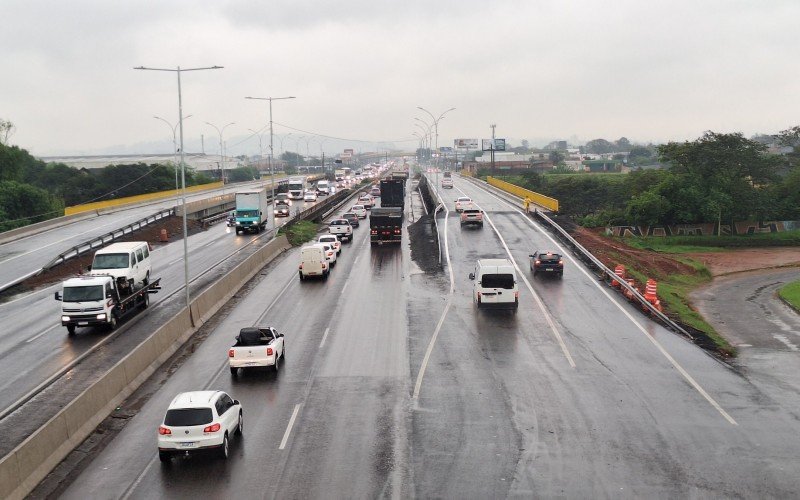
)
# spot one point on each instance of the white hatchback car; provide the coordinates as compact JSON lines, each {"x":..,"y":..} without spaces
{"x":330,"y":253}
{"x":359,"y":210}
{"x":199,"y":421}
{"x":311,"y":195}
{"x":331,"y":239}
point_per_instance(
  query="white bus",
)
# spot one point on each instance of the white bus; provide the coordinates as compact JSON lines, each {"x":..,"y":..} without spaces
{"x":297,"y":188}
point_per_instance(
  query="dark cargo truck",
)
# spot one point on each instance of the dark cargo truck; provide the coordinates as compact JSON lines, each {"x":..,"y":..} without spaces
{"x":385,"y":225}
{"x":393,"y":193}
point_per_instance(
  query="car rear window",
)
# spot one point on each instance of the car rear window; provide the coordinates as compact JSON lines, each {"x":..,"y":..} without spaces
{"x":505,"y":281}
{"x":184,"y":417}
{"x":472,"y":211}
{"x":549,"y":258}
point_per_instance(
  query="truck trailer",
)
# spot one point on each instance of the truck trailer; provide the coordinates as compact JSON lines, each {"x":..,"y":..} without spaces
{"x":385,"y":225}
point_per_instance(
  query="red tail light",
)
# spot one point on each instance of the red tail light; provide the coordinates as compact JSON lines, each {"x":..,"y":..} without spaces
{"x":230,"y":353}
{"x":516,"y":294}
{"x":396,"y":231}
{"x":212,"y":428}
{"x":374,"y":231}
{"x":269,"y":351}
{"x":164,"y":431}
{"x":330,"y":254}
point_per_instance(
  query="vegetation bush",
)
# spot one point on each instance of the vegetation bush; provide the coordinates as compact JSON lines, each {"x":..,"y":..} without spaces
{"x":300,"y":232}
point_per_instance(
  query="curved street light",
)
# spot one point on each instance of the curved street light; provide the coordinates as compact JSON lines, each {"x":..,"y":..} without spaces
{"x":436,"y":126}
{"x":174,"y":149}
{"x":221,"y":159}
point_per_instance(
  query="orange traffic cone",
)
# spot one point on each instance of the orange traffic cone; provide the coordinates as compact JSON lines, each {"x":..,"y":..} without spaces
{"x":619,"y":271}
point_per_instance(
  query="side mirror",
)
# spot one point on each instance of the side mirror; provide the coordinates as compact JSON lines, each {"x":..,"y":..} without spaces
{"x":472,"y":276}
{"x":89,"y":267}
{"x":280,"y":335}
{"x":57,"y":296}
{"x":236,"y":402}
{"x":108,"y":295}
{"x":531,"y":256}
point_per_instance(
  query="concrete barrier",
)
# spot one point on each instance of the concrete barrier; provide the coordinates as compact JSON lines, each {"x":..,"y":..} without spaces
{"x":25,"y":466}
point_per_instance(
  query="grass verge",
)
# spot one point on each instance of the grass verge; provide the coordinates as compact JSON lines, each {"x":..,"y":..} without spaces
{"x":791,"y":294}
{"x":685,"y":244}
{"x":299,"y":232}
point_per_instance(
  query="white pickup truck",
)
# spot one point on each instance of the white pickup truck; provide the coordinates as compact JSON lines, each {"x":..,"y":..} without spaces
{"x":256,"y":347}
{"x":342,"y":229}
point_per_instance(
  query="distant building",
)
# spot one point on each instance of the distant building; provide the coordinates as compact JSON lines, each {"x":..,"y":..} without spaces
{"x":602,"y":165}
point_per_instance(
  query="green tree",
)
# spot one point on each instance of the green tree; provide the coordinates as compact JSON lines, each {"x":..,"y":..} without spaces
{"x":648,"y":208}
{"x":557,"y":157}
{"x":22,"y":204}
{"x":623,"y":144}
{"x":243,"y":174}
{"x":599,"y":146}
{"x":6,"y":131}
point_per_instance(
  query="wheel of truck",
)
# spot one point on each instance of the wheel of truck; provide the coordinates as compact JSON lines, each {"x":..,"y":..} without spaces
{"x":71,"y":330}
{"x":234,"y":371}
{"x":237,"y":231}
{"x":146,"y":280}
{"x":112,"y":322}
{"x":301,"y":276}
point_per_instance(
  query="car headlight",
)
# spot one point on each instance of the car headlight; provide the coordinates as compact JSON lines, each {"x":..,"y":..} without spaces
{"x":101,"y":316}
{"x":65,"y":318}
{"x":238,"y":223}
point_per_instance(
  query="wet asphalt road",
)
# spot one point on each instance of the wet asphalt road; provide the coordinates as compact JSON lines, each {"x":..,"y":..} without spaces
{"x":577,"y":395}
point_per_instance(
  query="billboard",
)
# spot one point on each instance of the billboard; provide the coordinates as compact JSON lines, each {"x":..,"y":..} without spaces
{"x":466,"y":143}
{"x":499,"y":145}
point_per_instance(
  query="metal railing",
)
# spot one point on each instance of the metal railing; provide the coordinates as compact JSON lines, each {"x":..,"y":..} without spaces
{"x":101,"y":241}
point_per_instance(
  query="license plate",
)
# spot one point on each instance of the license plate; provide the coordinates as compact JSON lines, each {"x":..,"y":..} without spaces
{"x":83,"y":323}
{"x":188,"y":444}
{"x":250,"y":363}
{"x":548,"y":270}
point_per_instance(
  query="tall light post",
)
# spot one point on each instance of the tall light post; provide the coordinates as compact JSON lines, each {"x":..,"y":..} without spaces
{"x":297,"y":147}
{"x":178,"y":70}
{"x":174,"y":150}
{"x":436,"y":126}
{"x":281,"y":138}
{"x":260,"y":150}
{"x":271,"y":168}
{"x":427,"y":130}
{"x":221,"y":153}
{"x":421,"y":141}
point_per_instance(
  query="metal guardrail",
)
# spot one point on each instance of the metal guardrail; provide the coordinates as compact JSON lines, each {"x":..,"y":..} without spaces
{"x":585,"y":255}
{"x":104,"y":239}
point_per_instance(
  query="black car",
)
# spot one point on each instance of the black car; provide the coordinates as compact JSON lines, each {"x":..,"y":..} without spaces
{"x":547,"y":263}
{"x":231,"y":219}
{"x":351,"y":218}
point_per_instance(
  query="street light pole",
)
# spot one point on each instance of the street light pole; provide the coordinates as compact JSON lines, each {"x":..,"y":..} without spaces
{"x":436,"y":126}
{"x":221,"y":158}
{"x":174,"y":151}
{"x":271,"y":168}
{"x":178,"y":70}
{"x":260,"y":151}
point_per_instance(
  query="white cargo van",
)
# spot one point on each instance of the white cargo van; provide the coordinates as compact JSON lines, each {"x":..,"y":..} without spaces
{"x":323,"y":188}
{"x":495,"y":284}
{"x":130,"y":260}
{"x":313,"y":262}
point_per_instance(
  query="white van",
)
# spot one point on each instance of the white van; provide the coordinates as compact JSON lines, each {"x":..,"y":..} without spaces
{"x":495,"y":284}
{"x":323,"y":188}
{"x":313,"y":262}
{"x":130,"y":260}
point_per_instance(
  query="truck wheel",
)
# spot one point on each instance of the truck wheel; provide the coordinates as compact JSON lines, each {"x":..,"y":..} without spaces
{"x":146,"y":280}
{"x":145,"y":302}
{"x":71,"y":330}
{"x":301,"y":276}
{"x":234,"y":371}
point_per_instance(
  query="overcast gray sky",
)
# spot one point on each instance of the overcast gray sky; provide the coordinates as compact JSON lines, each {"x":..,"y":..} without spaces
{"x":540,"y":70}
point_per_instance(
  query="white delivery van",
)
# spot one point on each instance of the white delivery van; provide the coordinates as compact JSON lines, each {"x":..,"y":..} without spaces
{"x":313,"y":262}
{"x":323,"y":188}
{"x":130,"y":260}
{"x":495,"y":284}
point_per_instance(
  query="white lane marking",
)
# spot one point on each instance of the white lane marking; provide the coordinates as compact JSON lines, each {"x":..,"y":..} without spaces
{"x":324,"y":336}
{"x":641,"y":328}
{"x":356,"y":260}
{"x":536,"y":297}
{"x":345,"y":286}
{"x":173,"y":262}
{"x":429,"y":350}
{"x":289,"y":427}
{"x":40,"y":334}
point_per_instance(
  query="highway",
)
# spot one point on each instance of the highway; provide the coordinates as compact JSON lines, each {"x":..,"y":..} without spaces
{"x":25,"y":255}
{"x":36,"y":348}
{"x":396,"y":386}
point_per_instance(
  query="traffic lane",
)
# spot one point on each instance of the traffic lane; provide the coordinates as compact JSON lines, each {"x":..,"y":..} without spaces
{"x":298,"y":305}
{"x":40,"y":347}
{"x":130,"y":464}
{"x":745,"y":308}
{"x":630,"y":355}
{"x":30,"y":253}
{"x":350,"y":437}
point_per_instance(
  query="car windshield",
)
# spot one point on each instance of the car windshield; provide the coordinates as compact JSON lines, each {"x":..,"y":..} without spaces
{"x":464,"y":199}
{"x":505,"y":281}
{"x":184,"y":417}
{"x":110,"y":261}
{"x":247,"y":213}
{"x":83,"y":293}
